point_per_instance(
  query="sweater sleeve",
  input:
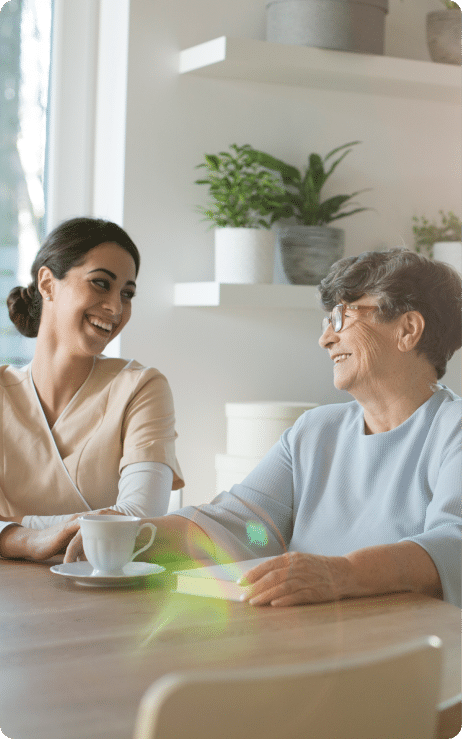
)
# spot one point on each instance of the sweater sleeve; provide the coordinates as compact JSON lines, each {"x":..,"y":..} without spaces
{"x":144,"y":491}
{"x":253,"y":519}
{"x":441,"y":537}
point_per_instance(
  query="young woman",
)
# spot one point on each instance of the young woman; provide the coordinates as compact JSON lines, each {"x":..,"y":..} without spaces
{"x":81,"y":431}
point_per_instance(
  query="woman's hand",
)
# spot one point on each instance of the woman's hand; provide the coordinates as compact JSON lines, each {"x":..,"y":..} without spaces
{"x":74,"y":551}
{"x":17,"y":542}
{"x":294,"y":578}
{"x":99,"y":512}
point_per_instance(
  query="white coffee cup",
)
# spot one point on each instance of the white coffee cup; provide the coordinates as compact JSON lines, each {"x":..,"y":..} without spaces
{"x":109,"y":541}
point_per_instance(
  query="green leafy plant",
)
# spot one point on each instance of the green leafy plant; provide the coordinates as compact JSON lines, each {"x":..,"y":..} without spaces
{"x":302,"y":190}
{"x":426,"y":234}
{"x":450,"y":5}
{"x":243,"y":193}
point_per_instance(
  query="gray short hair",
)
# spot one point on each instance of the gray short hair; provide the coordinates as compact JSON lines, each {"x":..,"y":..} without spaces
{"x":403,"y":280}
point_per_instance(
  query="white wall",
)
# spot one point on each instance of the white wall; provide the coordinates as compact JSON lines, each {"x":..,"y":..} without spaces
{"x":410,"y":157}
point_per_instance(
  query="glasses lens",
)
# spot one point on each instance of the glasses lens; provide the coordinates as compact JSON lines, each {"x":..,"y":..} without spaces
{"x":337,"y":317}
{"x":325,"y":323}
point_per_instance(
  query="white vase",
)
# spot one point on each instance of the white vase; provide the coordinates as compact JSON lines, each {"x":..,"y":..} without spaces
{"x":244,"y":255}
{"x":449,"y":252}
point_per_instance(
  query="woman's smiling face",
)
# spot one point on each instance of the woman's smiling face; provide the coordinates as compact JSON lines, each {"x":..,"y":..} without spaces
{"x":364,"y":351}
{"x":92,"y":303}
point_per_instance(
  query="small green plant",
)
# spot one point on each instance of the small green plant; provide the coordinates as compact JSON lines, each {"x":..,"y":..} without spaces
{"x":302,"y":190}
{"x":243,"y":193}
{"x":450,"y":5}
{"x":426,"y":234}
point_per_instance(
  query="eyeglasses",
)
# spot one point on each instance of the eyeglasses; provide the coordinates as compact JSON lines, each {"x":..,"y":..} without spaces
{"x":338,"y":313}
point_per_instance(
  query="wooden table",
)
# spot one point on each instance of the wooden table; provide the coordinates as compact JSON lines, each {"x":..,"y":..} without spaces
{"x":75,"y":661}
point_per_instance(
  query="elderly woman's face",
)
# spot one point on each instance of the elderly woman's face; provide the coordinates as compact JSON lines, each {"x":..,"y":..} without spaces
{"x":364,"y":351}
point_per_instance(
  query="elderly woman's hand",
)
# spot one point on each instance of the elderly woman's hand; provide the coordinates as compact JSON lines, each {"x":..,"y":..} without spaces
{"x":294,"y":578}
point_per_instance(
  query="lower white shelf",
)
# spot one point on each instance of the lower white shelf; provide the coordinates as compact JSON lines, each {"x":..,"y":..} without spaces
{"x":214,"y":294}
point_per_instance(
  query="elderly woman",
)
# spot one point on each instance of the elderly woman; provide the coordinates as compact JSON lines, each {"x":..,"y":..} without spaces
{"x":81,"y":431}
{"x":357,"y":498}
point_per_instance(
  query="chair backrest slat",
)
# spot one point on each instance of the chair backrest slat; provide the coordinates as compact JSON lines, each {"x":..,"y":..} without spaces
{"x":388,"y":694}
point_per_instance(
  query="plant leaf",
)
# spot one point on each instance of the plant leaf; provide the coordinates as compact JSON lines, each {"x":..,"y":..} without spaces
{"x":350,"y":213}
{"x":336,"y":163}
{"x":315,"y":174}
{"x":212,"y":161}
{"x":339,"y":148}
{"x":288,"y":173}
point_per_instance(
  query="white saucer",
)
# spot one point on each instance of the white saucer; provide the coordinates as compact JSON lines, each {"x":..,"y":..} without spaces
{"x":81,"y":573}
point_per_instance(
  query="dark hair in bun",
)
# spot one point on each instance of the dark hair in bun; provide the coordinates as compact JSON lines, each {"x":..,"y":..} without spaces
{"x":25,"y":308}
{"x":64,"y":248}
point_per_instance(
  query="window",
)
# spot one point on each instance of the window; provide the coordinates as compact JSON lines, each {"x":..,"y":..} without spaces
{"x":25,"y":33}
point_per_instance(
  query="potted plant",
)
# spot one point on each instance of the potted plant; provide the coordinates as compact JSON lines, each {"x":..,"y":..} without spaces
{"x":310,"y":247}
{"x":441,"y":241}
{"x":444,"y":32}
{"x":243,"y":195}
{"x":349,"y":25}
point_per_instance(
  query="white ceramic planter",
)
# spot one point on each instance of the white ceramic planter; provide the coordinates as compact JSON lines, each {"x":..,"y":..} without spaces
{"x":449,"y":252}
{"x":253,"y":428}
{"x":244,"y":255}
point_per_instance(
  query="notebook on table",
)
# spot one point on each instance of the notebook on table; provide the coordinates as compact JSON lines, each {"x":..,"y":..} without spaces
{"x":216,"y":581}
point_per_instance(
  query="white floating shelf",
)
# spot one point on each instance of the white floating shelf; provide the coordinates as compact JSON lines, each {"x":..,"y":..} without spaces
{"x":203,"y":294}
{"x":326,"y":69}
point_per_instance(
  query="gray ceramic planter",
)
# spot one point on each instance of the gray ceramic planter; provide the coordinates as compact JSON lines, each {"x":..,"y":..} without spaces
{"x":349,"y":25}
{"x":308,"y":252}
{"x":443,"y":36}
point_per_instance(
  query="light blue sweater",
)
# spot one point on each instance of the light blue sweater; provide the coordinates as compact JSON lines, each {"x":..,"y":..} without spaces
{"x":327,"y":488}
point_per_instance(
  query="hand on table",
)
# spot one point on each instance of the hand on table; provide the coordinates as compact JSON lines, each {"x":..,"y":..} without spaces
{"x":18,"y":542}
{"x":294,"y":578}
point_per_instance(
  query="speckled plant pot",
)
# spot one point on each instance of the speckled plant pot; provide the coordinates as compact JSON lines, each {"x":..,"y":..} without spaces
{"x":349,"y":25}
{"x":308,"y":252}
{"x":443,"y":36}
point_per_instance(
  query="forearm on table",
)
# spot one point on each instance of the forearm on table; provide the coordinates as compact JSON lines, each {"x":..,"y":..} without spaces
{"x":13,"y":542}
{"x":177,"y":538}
{"x":391,"y":568}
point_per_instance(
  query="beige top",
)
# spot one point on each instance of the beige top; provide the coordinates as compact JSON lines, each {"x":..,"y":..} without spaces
{"x":122,"y":414}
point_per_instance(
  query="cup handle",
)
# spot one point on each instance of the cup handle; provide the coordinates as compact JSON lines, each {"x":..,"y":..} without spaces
{"x":146,"y":546}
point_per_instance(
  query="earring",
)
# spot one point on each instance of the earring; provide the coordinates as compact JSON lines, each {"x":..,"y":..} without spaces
{"x":47,"y":297}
